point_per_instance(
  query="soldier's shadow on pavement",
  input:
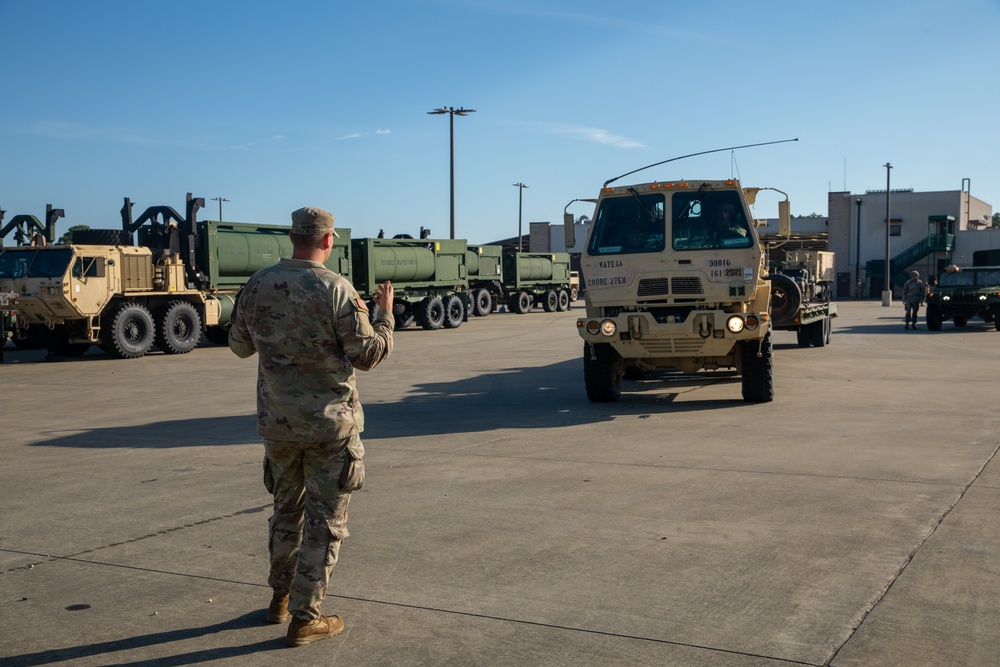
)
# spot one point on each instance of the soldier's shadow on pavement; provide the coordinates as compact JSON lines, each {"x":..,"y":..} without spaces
{"x":198,"y":432}
{"x":535,"y":397}
{"x":110,"y":648}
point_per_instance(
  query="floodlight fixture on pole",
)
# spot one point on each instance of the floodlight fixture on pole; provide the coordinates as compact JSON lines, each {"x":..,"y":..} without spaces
{"x":220,"y":200}
{"x":452,"y":112}
{"x":887,"y":289}
{"x":520,"y":194}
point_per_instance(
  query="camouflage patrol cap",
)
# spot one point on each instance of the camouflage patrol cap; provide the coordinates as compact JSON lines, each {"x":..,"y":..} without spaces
{"x":914,"y":274}
{"x":312,"y":221}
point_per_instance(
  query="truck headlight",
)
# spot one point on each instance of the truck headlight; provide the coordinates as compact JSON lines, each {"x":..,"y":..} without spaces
{"x":608,"y":327}
{"x":946,"y":298}
{"x":752,"y":322}
{"x":593,"y":327}
{"x":982,"y":297}
{"x":735,"y":324}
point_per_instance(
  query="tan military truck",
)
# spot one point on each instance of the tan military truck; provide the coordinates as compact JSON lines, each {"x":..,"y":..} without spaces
{"x":117,"y":296}
{"x":676,"y":278}
{"x":180,"y":281}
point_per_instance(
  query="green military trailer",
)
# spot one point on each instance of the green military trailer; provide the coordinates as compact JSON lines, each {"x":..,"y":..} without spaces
{"x":485,"y":267}
{"x":962,"y":293}
{"x":429,"y":278}
{"x":536,"y":278}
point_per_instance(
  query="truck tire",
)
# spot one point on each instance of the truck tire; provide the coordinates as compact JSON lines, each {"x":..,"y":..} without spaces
{"x":178,"y":328}
{"x":58,"y":345}
{"x":482,"y":303}
{"x":758,"y":370}
{"x":520,"y":303}
{"x":960,"y":320}
{"x":563,"y":301}
{"x":574,"y":294}
{"x":786,"y":298}
{"x":933,"y":317}
{"x":129,"y":331}
{"x":454,"y":312}
{"x":402,"y":314}
{"x":34,"y":338}
{"x":828,"y":328}
{"x":996,"y":318}
{"x":217,"y":335}
{"x":802,"y":335}
{"x":102,"y":237}
{"x":430,"y":313}
{"x":817,"y":333}
{"x":602,"y":374}
{"x":550,"y":301}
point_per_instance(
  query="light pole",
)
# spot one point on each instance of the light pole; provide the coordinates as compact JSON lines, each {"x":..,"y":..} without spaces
{"x":452,"y":112}
{"x":887,"y":288}
{"x":220,"y":200}
{"x":520,"y":194}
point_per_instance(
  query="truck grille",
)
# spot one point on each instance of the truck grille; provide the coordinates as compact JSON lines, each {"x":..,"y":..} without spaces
{"x":653,"y":287}
{"x":687,"y":286}
{"x":672,"y":346}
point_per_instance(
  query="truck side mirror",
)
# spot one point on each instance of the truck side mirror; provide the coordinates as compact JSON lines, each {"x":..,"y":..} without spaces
{"x":568,"y":231}
{"x":784,"y":218}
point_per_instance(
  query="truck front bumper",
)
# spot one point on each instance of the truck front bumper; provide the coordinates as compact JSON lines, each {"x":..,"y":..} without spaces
{"x":705,"y":333}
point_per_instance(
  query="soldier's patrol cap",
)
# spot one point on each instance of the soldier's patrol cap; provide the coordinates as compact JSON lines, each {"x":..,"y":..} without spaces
{"x":914,"y":274}
{"x":312,"y":221}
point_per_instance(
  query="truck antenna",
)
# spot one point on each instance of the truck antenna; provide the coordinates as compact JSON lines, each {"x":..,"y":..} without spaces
{"x":681,"y":157}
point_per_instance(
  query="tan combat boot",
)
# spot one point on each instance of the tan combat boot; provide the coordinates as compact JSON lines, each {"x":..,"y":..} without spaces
{"x":277,"y":611}
{"x":302,"y":632}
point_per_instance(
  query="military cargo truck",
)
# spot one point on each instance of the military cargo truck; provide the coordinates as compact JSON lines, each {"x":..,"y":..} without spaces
{"x":536,"y":279}
{"x":676,"y":278}
{"x":801,"y":291}
{"x":429,"y":278}
{"x":963,"y":293}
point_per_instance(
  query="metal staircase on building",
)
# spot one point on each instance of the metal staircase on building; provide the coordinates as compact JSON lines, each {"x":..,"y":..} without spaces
{"x":898,"y":264}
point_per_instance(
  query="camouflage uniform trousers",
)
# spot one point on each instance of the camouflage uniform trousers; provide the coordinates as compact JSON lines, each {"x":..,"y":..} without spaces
{"x":311,"y":483}
{"x":911,"y":311}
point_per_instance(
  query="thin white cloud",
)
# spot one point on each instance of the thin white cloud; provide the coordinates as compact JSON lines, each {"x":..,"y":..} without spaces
{"x":353,"y":135}
{"x":599,"y":136}
{"x":383,"y":131}
{"x":63,"y":130}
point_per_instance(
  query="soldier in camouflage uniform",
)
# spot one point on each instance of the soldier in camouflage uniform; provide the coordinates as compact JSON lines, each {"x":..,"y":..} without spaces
{"x":310,"y":330}
{"x":914,"y":292}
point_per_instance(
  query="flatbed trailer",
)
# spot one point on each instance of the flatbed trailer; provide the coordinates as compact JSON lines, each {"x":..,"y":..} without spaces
{"x":813,"y":323}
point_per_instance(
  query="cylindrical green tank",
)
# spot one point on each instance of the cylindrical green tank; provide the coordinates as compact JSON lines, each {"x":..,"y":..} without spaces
{"x":472,"y":262}
{"x":534,"y":268}
{"x":244,"y":252}
{"x":226,"y":302}
{"x":403,"y":264}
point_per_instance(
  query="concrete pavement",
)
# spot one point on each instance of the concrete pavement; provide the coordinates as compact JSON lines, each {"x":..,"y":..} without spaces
{"x":508,"y":521}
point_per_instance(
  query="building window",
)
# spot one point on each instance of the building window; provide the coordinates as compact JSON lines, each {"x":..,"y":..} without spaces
{"x":895,"y":230}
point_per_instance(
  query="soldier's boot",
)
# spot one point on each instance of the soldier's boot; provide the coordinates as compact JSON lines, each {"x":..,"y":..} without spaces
{"x":302,"y":632}
{"x":277,"y":611}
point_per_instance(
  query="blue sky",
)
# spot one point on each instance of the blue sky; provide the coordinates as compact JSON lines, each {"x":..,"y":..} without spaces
{"x":280,"y":105}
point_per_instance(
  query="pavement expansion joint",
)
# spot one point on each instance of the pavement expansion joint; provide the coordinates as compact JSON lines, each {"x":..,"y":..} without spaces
{"x":165,"y":531}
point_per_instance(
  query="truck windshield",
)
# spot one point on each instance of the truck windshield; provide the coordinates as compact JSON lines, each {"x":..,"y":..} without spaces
{"x":628,"y":224}
{"x":34,"y":262}
{"x":707,"y":220}
{"x":988,"y":278}
{"x":956,"y":279}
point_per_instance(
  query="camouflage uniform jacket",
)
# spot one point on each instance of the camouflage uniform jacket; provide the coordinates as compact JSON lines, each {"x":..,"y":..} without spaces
{"x":310,"y":330}
{"x":914,"y":291}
